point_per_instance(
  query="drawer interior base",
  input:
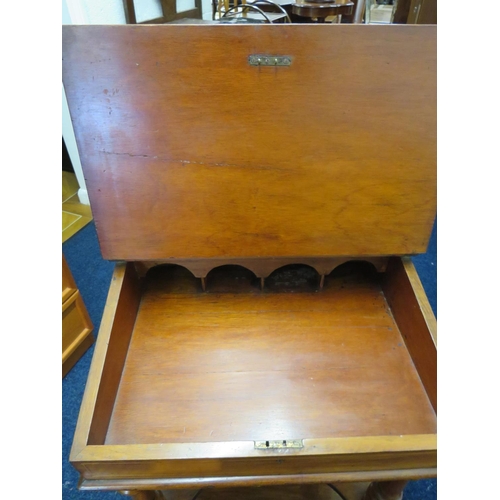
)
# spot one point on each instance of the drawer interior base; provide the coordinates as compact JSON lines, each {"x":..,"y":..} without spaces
{"x":290,"y":362}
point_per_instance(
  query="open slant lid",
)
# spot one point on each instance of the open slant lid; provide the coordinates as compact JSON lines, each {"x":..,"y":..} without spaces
{"x":262,"y":141}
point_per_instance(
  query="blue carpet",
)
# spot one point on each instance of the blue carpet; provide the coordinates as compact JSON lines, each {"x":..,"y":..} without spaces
{"x":93,"y":275}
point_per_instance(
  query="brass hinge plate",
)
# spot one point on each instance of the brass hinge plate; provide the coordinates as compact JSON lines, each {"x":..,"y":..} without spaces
{"x":279,"y":443}
{"x":266,"y":60}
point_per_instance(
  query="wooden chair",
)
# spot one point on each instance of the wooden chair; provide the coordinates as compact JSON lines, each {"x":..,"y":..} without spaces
{"x":169,"y":11}
{"x":358,"y":13}
{"x":319,"y":10}
{"x":254,"y":11}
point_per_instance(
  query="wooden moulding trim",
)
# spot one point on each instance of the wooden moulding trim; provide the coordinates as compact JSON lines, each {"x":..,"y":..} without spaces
{"x":70,"y":357}
{"x":97,"y":365}
{"x":421,"y":297}
{"x":70,"y":300}
{"x":117,"y":349}
{"x":69,"y":351}
{"x":245,"y":449}
{"x":261,"y":267}
{"x":67,"y":293}
{"x":239,"y":458}
{"x":271,"y":480}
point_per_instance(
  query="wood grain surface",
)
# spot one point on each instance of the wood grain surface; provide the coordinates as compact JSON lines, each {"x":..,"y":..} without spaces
{"x":252,"y":365}
{"x":190,"y":152}
{"x":111,"y":346}
{"x":122,"y":326}
{"x":238,"y":463}
{"x":417,"y":323}
{"x":155,"y":482}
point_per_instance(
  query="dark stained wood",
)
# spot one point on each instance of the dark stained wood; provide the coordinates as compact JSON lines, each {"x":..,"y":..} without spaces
{"x":262,"y":268}
{"x":176,"y":169}
{"x":322,"y":10}
{"x":142,"y":494}
{"x":401,"y":11}
{"x":428,"y":12}
{"x":422,"y":12}
{"x":252,"y":365}
{"x":417,"y":323}
{"x":388,"y":490}
{"x":129,"y":10}
{"x":357,"y":14}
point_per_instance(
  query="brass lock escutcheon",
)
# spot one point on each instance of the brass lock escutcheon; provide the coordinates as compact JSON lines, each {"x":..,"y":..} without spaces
{"x":266,"y":60}
{"x":279,"y":443}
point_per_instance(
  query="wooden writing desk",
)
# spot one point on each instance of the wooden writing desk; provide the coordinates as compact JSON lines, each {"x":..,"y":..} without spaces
{"x":243,"y":342}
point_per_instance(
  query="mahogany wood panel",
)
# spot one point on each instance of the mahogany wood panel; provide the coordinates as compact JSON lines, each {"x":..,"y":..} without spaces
{"x":415,"y":318}
{"x":234,"y":459}
{"x":190,"y":152}
{"x":265,"y":480}
{"x":102,"y":381}
{"x":143,"y":495}
{"x":321,"y":10}
{"x":262,"y":366}
{"x":121,"y":331}
{"x":237,"y":463}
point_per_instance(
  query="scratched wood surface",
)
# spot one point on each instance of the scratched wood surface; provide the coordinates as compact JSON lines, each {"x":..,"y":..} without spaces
{"x":190,"y":152}
{"x":236,"y":363}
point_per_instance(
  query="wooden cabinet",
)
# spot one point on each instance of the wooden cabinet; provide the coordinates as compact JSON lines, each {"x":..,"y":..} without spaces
{"x":264,"y":323}
{"x":423,"y":12}
{"x":76,"y":324}
{"x":416,"y":12}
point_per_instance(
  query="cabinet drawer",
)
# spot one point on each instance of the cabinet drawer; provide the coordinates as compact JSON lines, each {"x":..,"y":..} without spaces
{"x":186,"y":383}
{"x":76,"y":330}
{"x":68,"y":283}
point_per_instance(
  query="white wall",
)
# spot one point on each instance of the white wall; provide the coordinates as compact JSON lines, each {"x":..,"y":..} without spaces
{"x":106,"y":12}
{"x":67,"y":127}
{"x":111,"y":11}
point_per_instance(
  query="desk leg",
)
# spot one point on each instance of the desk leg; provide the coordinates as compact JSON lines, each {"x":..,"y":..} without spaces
{"x":141,"y":495}
{"x":385,"y":490}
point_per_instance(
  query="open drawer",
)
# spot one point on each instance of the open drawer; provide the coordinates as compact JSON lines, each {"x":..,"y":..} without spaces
{"x":295,"y":382}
